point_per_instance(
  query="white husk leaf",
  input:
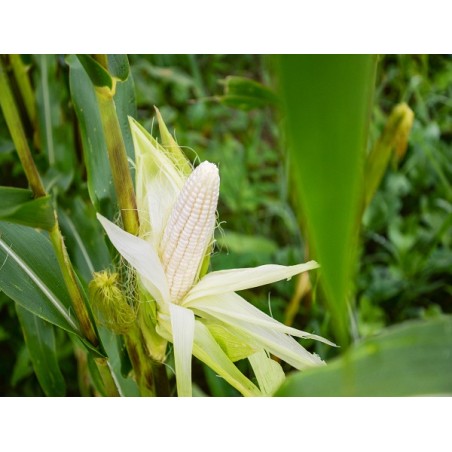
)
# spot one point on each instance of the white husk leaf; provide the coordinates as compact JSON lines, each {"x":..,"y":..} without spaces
{"x":183,"y":331}
{"x":142,"y":257}
{"x":251,"y":329}
{"x":158,"y":183}
{"x":243,"y":278}
{"x":231,"y":306}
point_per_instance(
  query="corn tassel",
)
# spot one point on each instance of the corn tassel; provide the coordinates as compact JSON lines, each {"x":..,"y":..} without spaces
{"x":190,"y":229}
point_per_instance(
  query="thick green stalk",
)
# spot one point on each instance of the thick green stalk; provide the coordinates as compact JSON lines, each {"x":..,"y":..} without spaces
{"x":14,"y":124}
{"x":117,"y":155}
{"x":16,"y":129}
{"x":23,"y":82}
{"x":149,"y":375}
{"x":71,"y":283}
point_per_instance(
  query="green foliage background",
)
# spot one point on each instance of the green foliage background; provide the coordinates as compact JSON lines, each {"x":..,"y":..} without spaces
{"x":405,"y":262}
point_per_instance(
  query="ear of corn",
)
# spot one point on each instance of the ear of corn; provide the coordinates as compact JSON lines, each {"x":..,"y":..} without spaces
{"x":394,"y":139}
{"x":190,"y":229}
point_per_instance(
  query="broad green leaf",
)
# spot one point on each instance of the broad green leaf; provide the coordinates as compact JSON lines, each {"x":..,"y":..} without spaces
{"x":30,"y":275}
{"x":19,"y":206}
{"x":327,"y":104}
{"x":40,"y":340}
{"x":410,"y":359}
{"x":246,"y":94}
{"x":100,"y":183}
{"x":98,"y":75}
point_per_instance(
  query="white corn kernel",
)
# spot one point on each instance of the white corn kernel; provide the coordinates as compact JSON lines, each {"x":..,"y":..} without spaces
{"x":190,"y":228}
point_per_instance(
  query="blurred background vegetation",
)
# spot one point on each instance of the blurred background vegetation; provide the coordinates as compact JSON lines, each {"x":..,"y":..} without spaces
{"x":405,"y":258}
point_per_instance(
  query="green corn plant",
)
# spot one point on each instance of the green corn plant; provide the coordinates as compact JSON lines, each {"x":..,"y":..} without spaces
{"x":114,"y":253}
{"x":165,"y":294}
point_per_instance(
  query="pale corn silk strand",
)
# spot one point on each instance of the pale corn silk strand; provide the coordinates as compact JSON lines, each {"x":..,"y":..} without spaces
{"x":189,"y":230}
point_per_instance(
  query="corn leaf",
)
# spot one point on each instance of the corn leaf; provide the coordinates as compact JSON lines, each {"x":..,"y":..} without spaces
{"x":410,"y":359}
{"x":98,"y":75}
{"x":40,"y":340}
{"x":100,"y":182}
{"x":30,"y":275}
{"x":327,"y":104}
{"x":19,"y":206}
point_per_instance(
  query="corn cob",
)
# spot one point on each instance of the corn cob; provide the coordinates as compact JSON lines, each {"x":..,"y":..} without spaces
{"x":189,"y":230}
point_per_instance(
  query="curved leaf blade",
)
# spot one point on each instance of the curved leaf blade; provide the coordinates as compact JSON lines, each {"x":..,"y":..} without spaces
{"x":410,"y":359}
{"x":327,"y":101}
{"x":98,"y":75}
{"x":30,"y":275}
{"x":100,"y":182}
{"x":40,"y":340}
{"x":19,"y":206}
